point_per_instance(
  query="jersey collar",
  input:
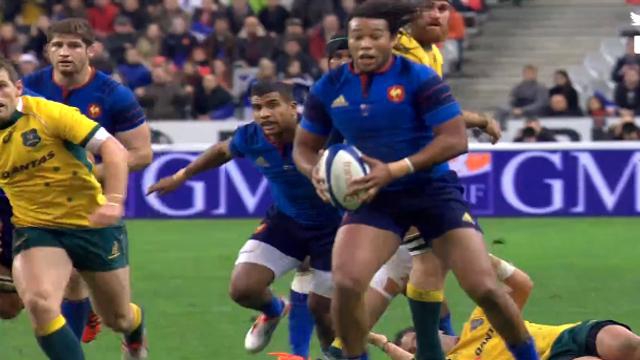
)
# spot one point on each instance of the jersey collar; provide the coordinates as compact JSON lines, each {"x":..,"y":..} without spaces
{"x":67,"y":90}
{"x":384,"y":69}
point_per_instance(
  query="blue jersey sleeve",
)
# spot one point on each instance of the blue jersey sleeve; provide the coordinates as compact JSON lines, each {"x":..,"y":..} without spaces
{"x":124,"y":110}
{"x":435,"y":102}
{"x":315,"y":118}
{"x":238,"y":142}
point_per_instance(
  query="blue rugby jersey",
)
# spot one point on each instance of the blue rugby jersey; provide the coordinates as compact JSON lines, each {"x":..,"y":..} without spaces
{"x":388,"y":115}
{"x":292,"y":192}
{"x":102,"y":99}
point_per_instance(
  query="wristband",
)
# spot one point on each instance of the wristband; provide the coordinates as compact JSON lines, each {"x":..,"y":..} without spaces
{"x":401,"y":168}
{"x":384,"y":347}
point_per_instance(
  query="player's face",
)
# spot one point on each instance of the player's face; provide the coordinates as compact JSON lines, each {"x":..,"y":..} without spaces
{"x":68,"y":54}
{"x":432,"y":24}
{"x":341,"y":57}
{"x":9,"y":93}
{"x":274,"y":114}
{"x":370,"y":43}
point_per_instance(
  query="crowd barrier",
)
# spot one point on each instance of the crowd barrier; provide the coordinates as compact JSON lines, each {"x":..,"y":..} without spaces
{"x":552,"y":179}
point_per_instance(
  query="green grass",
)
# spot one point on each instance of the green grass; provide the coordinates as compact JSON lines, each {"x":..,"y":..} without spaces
{"x":582,"y":268}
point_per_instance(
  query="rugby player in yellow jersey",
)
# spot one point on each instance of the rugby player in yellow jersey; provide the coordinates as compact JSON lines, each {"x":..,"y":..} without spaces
{"x":586,"y":340}
{"x":62,"y":219}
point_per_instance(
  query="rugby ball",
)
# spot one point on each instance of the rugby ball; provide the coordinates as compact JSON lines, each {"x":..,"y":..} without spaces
{"x":340,"y":164}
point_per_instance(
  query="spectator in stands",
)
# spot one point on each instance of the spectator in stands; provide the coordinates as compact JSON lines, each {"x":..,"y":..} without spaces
{"x":203,"y":20}
{"x":293,"y":51}
{"x":254,"y":42}
{"x":311,"y":12}
{"x":134,"y":73}
{"x":630,"y":132}
{"x":138,"y":17}
{"x":163,"y":99}
{"x":71,"y":8}
{"x":629,"y":60}
{"x":266,"y":70}
{"x":27,"y":64}
{"x":169,"y":11}
{"x":123,"y":37}
{"x":344,"y":9}
{"x":101,"y":16}
{"x":564,"y":86}
{"x":210,"y":98}
{"x":627,"y":93}
{"x":300,"y":81}
{"x":38,"y":37}
{"x":178,"y":45}
{"x":598,"y":114}
{"x":457,"y":33}
{"x":559,"y":107}
{"x":237,"y":13}
{"x":528,"y":98}
{"x":293,"y":28}
{"x":221,"y":44}
{"x":321,"y":34}
{"x":221,"y":70}
{"x":274,"y":17}
{"x":150,"y":44}
{"x":535,"y":132}
{"x":100,"y":59}
{"x":10,"y":47}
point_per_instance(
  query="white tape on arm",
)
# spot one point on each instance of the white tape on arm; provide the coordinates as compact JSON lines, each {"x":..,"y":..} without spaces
{"x":505,"y":270}
{"x":96,"y":141}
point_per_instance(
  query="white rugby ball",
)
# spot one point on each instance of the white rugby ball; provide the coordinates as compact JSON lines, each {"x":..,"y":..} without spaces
{"x":340,"y":164}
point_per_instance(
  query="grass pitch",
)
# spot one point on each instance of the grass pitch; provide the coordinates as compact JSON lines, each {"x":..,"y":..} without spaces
{"x":582,"y":269}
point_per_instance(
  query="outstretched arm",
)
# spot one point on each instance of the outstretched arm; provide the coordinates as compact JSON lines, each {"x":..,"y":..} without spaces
{"x":487,"y":124}
{"x":393,"y":351}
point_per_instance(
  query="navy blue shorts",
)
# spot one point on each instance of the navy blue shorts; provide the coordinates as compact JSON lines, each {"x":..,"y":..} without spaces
{"x":6,"y":236}
{"x":435,"y":209}
{"x":296,"y":240}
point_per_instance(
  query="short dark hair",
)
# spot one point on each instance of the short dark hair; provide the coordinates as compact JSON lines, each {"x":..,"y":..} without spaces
{"x":397,"y":13}
{"x":629,"y":128}
{"x":262,"y":88}
{"x":397,"y":339}
{"x":72,"y":26}
{"x":6,"y":65}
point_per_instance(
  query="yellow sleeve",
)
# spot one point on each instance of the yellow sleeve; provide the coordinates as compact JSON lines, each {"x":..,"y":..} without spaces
{"x":68,"y":123}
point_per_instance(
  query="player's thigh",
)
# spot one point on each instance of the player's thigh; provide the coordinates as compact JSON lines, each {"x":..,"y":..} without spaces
{"x":110,"y":293}
{"x":428,"y":271}
{"x":464,"y":252}
{"x":359,"y":251}
{"x":76,"y":288}
{"x":616,"y":342}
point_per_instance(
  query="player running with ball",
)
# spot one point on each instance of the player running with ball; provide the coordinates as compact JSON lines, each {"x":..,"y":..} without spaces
{"x":404,"y":118}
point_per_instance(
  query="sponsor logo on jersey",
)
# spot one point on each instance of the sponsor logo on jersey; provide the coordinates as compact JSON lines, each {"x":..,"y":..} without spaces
{"x":340,"y":101}
{"x":31,"y":138}
{"x":28,"y":166}
{"x":115,"y":251}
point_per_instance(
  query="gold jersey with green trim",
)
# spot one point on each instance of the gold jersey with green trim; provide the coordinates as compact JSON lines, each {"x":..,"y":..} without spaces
{"x":480,"y":341}
{"x":409,"y":47}
{"x":44,"y":169}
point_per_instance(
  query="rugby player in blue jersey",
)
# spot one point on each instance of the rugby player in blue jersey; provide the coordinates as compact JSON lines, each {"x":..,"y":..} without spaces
{"x":71,"y":80}
{"x":299,"y":224}
{"x":405,"y":119}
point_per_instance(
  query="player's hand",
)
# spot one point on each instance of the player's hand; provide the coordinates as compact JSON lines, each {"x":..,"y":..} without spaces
{"x":377,"y":339}
{"x":168,"y":184}
{"x":492,"y":129}
{"x":320,"y":183}
{"x":368,"y":186}
{"x":107,"y":215}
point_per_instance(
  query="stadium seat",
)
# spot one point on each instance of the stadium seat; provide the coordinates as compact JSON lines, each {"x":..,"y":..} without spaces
{"x":597,"y":65}
{"x":613,"y":48}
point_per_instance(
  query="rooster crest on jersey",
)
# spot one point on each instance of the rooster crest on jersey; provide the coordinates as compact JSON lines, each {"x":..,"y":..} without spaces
{"x":340,"y":164}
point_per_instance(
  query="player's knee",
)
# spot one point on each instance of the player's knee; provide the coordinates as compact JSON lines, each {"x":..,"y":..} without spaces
{"x":40,"y":302}
{"x":319,"y":306}
{"x":630,"y":349}
{"x":349,"y":282}
{"x":10,"y":306}
{"x":242,"y":293}
{"x":118,"y":321}
{"x":485,"y":294}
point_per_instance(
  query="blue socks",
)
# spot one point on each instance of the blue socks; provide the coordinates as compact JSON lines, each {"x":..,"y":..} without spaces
{"x":301,"y":324}
{"x":76,"y":312}
{"x":445,"y":325}
{"x":524,"y":351}
{"x":273,"y":308}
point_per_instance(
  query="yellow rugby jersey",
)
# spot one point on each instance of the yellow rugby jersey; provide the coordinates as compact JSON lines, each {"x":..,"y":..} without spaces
{"x":479,"y":341}
{"x":408,"y":47}
{"x":44,"y":169}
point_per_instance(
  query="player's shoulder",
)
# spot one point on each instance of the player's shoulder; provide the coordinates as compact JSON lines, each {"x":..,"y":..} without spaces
{"x":418,"y":72}
{"x":38,"y":78}
{"x":111,"y":89}
{"x":250,"y":135}
{"x":332,"y":81}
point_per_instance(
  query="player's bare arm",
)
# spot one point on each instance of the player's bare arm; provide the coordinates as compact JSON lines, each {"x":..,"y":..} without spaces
{"x":213,"y":157}
{"x":393,"y":351}
{"x":519,"y":283}
{"x":307,"y":150}
{"x":138,"y":143}
{"x":114,"y":160}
